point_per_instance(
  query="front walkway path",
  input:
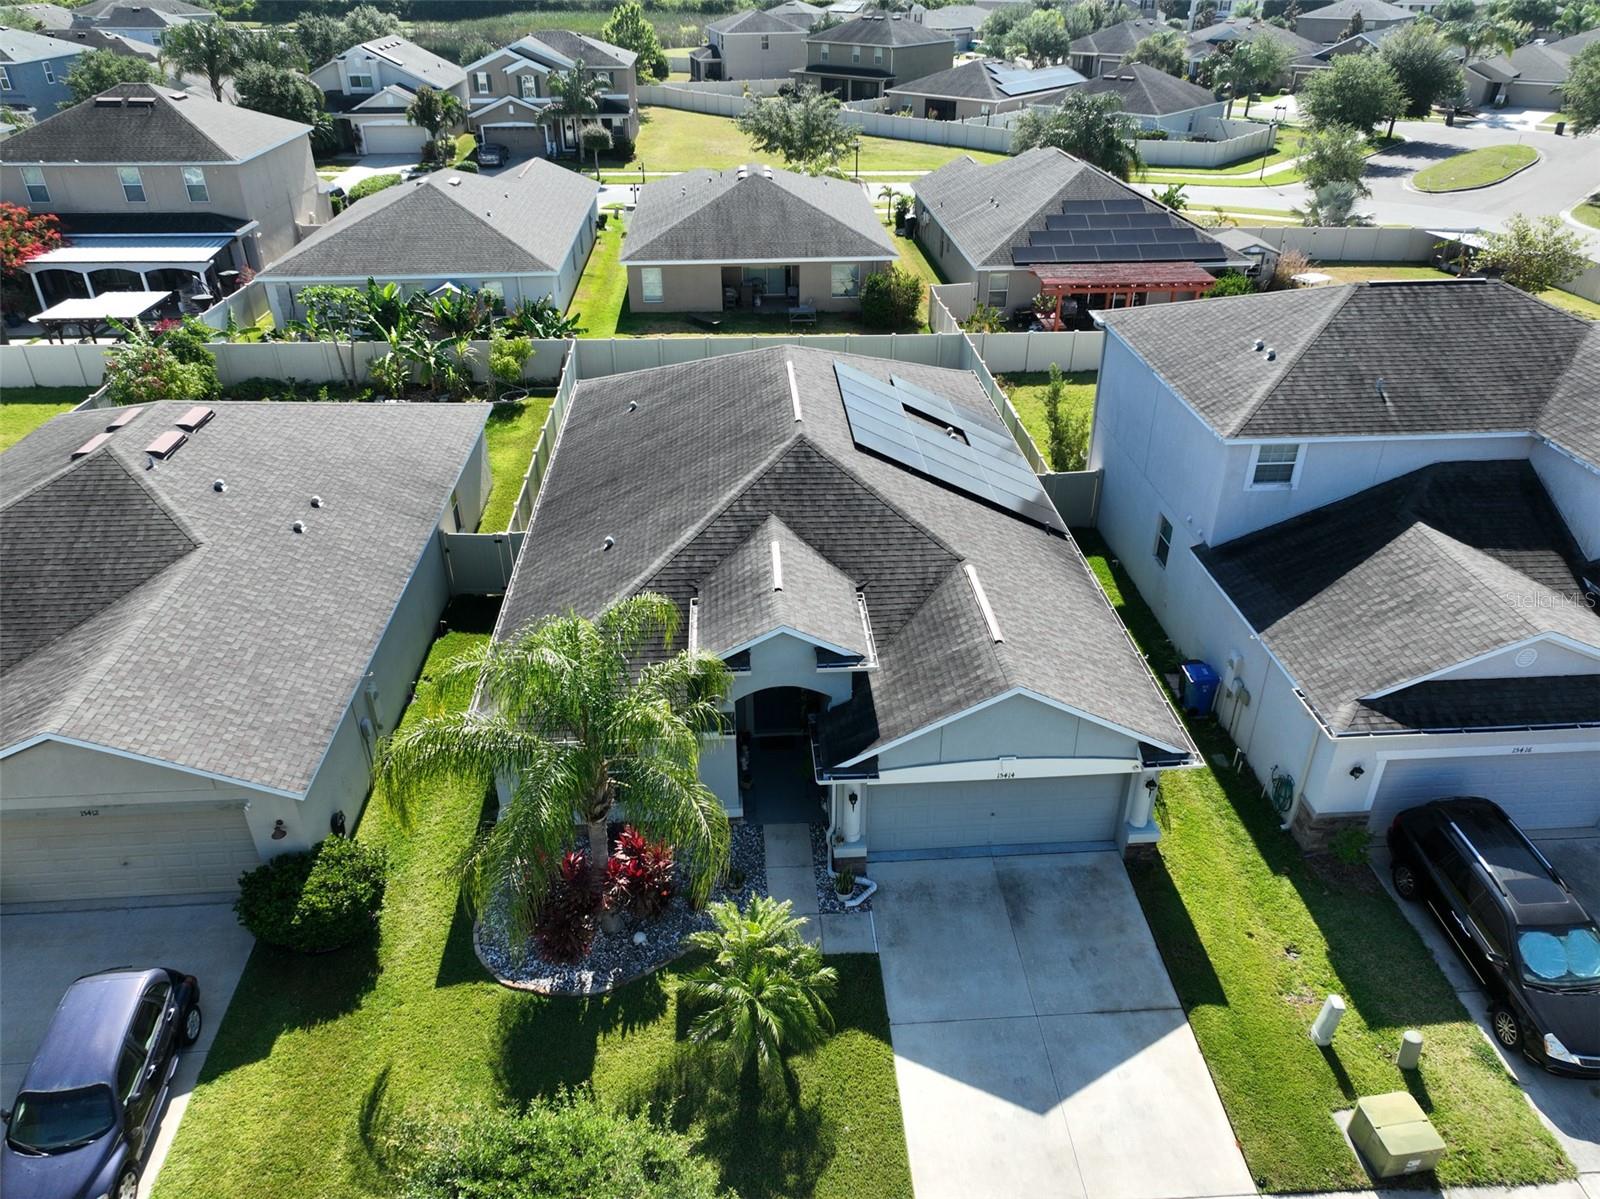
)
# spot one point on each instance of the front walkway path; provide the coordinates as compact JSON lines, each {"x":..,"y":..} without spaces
{"x":790,"y":876}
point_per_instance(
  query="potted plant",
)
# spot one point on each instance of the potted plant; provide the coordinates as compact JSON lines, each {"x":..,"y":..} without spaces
{"x":844,"y":883}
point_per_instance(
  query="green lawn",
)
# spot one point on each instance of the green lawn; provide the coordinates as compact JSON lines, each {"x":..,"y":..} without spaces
{"x":919,"y":264}
{"x":24,"y":409}
{"x":1286,"y":147}
{"x":1255,"y":936}
{"x":1027,"y":397}
{"x":1588,"y":213}
{"x":603,"y":287}
{"x":1572,"y":303}
{"x":1475,"y":168}
{"x":1365,"y":273}
{"x":512,"y":432}
{"x":1248,"y":175}
{"x":317,"y":1054}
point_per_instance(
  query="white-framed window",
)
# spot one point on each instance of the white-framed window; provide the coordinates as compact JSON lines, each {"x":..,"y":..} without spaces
{"x":877,"y":56}
{"x":5,"y":80}
{"x":650,"y":286}
{"x":360,"y":82}
{"x":997,"y":292}
{"x":822,"y":53}
{"x":766,"y":42}
{"x":528,"y":86}
{"x":194,"y":182}
{"x":1163,"y":546}
{"x":846,"y":280}
{"x":494,"y":287}
{"x":132,"y":184}
{"x":49,"y":71}
{"x":33,"y":180}
{"x":855,"y":53}
{"x":604,"y":77}
{"x":1275,"y":467}
{"x":480,"y":83}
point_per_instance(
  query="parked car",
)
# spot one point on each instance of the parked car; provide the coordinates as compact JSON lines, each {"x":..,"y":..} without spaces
{"x":1513,"y":920}
{"x":493,"y":154}
{"x":87,"y":1111}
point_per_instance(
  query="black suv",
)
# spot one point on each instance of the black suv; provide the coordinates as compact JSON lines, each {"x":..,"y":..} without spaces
{"x":1515,"y":922}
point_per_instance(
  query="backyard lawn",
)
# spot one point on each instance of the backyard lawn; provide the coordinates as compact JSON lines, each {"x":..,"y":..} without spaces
{"x":1367,"y":272}
{"x":1285,"y":147}
{"x":1255,"y":936}
{"x":603,"y":287}
{"x":1475,"y":168}
{"x":317,"y":1055}
{"x":24,"y":409}
{"x":512,"y":432}
{"x":1026,"y":392}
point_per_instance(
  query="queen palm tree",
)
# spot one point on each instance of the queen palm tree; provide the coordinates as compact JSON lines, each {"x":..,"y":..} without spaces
{"x":577,"y":93}
{"x":571,"y":726}
{"x":434,"y":111}
{"x":1485,"y":30}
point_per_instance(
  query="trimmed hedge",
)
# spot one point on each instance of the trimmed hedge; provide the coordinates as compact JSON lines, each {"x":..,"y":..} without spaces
{"x":316,"y":900}
{"x":371,"y":185}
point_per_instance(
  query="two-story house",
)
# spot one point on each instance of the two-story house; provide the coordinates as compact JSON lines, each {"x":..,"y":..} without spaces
{"x":1331,"y":22}
{"x":142,"y":20}
{"x":863,"y":58}
{"x":511,"y":100}
{"x":1374,"y":511}
{"x":371,"y":85}
{"x":159,"y":189}
{"x":1095,"y":53}
{"x":33,"y":72}
{"x":752,"y":44}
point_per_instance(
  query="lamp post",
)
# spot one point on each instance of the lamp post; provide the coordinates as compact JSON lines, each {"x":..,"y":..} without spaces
{"x":1277,"y":112}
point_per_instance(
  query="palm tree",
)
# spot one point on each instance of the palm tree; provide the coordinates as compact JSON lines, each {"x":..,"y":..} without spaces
{"x":1485,"y":31}
{"x":213,"y":48}
{"x":434,"y":111}
{"x":577,"y":93}
{"x":765,"y":990}
{"x":570,"y":725}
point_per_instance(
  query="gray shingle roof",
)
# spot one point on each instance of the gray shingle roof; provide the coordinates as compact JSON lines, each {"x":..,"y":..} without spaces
{"x":1203,"y":42}
{"x":1370,"y":10}
{"x":97,"y":9}
{"x":424,"y":65}
{"x":17,"y":45}
{"x":451,"y":223}
{"x":49,"y":16}
{"x":1404,"y":580}
{"x":572,"y":47}
{"x":1577,"y":42}
{"x":955,"y":16}
{"x":163,"y":126}
{"x":195,"y":627}
{"x":117,"y":43}
{"x":798,"y":11}
{"x":1117,"y":39}
{"x":753,"y":214}
{"x":1531,"y":64}
{"x":880,"y":30}
{"x":753,"y":20}
{"x":739,"y":459}
{"x":1148,"y":92}
{"x":1467,"y":356}
{"x":977,"y":80}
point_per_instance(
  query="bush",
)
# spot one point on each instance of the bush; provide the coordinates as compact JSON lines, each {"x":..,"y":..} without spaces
{"x":317,"y":899}
{"x":564,"y":928}
{"x":1153,"y":135}
{"x":621,"y":146}
{"x":889,"y":299}
{"x":1290,"y":264}
{"x":1349,"y":845}
{"x":467,"y":165}
{"x":640,"y":878}
{"x":1231,"y":283}
{"x":371,"y":185}
{"x":568,"y":1147}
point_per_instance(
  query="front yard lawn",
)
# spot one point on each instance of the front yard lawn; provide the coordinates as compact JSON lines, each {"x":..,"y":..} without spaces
{"x":1475,"y":168}
{"x":1026,"y":391}
{"x":24,"y":409}
{"x":512,"y":432}
{"x":316,"y":1055}
{"x":1588,"y":213}
{"x":1255,"y":935}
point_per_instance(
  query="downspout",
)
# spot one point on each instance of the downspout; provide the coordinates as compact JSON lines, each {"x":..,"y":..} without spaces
{"x":1300,"y":793}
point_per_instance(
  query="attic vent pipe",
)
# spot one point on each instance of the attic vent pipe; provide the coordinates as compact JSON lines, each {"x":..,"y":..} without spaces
{"x":607,"y":543}
{"x":1272,"y":355}
{"x":1259,"y":345}
{"x":1383,"y":392}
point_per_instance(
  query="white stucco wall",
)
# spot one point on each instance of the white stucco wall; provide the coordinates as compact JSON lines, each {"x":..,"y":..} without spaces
{"x":1574,"y":487}
{"x":786,"y":661}
{"x":1018,"y":727}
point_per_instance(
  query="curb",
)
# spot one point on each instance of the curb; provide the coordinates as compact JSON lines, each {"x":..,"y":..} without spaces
{"x":1476,"y":187}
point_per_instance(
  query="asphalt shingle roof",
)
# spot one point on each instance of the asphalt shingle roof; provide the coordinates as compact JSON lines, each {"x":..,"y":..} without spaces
{"x":1146,"y":91}
{"x":572,"y":47}
{"x":753,"y":214}
{"x":1203,"y":42}
{"x":166,"y":619}
{"x":49,"y":16}
{"x":1463,"y":356}
{"x":955,"y":16}
{"x":451,"y":223}
{"x":426,"y":66}
{"x":1531,"y":63}
{"x":1405,"y":579}
{"x":17,"y":45}
{"x":161,"y":125}
{"x":740,"y":459}
{"x":753,"y":20}
{"x":1117,"y":39}
{"x":1370,"y":10}
{"x":95,"y":10}
{"x":978,"y":80}
{"x":880,"y":30}
{"x":117,"y":43}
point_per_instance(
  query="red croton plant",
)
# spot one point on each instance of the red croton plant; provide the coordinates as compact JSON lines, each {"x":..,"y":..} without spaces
{"x":640,"y":880}
{"x":24,"y":236}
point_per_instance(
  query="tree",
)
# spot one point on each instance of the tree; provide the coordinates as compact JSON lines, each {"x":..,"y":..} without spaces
{"x":1231,"y":283}
{"x":322,"y":37}
{"x":594,"y":138}
{"x":1534,"y":255}
{"x":1165,"y":51}
{"x":24,"y":235}
{"x":1059,"y":449}
{"x":1484,"y":30}
{"x":1253,"y":66}
{"x":804,"y":129}
{"x":1172,"y":196}
{"x":436,"y":112}
{"x":997,"y":26}
{"x":1358,"y":90}
{"x":1246,"y":10}
{"x":214,"y":49}
{"x":765,"y":989}
{"x":1041,"y":37}
{"x":629,"y":28}
{"x":13,"y":17}
{"x":99,"y":70}
{"x":1535,"y":14}
{"x":577,"y":93}
{"x":1356,"y":24}
{"x":1091,"y":127}
{"x":365,"y":22}
{"x":1580,"y":96}
{"x":571,"y":722}
{"x":1424,"y":66}
{"x":1577,"y":17}
{"x":1333,"y":206}
{"x":287,"y":94}
{"x":1333,"y":154}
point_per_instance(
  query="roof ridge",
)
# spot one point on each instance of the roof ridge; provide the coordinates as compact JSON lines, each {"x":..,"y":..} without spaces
{"x":1239,"y":424}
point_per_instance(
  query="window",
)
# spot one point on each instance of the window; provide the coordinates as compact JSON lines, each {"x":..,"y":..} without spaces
{"x":603,"y":77}
{"x":147,"y":1018}
{"x":1163,"y":540}
{"x":494,"y":287}
{"x":480,"y":83}
{"x":650,"y":284}
{"x":528,"y":86}
{"x":997,"y":292}
{"x":855,"y":53}
{"x":766,"y":42}
{"x":822,"y":54}
{"x":129,"y":1067}
{"x":49,"y":71}
{"x":132,"y":185}
{"x":360,"y":82}
{"x":33,"y":180}
{"x":194,"y":182}
{"x":846,"y":280}
{"x":769,"y":280}
{"x":1275,"y":466}
{"x":877,"y":56}
{"x":5,"y":80}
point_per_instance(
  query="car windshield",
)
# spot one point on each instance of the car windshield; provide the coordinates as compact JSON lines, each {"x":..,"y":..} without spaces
{"x":54,"y":1121}
{"x":1561,"y":957}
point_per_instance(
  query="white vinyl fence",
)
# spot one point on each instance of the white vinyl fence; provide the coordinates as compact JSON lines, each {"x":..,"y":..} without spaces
{"x":1233,"y":140}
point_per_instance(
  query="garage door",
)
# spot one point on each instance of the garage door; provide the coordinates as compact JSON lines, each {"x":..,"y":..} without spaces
{"x":123,"y":854}
{"x":1538,"y":791}
{"x":994,"y":813}
{"x":524,"y":141}
{"x":393,"y":139}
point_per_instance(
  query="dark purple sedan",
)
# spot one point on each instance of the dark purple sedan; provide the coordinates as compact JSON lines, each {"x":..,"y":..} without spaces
{"x":87,"y":1112}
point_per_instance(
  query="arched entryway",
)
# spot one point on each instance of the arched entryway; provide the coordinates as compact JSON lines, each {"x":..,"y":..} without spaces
{"x":777,"y":776}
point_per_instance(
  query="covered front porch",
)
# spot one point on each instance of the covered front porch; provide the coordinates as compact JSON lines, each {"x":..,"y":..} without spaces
{"x":1070,"y":292}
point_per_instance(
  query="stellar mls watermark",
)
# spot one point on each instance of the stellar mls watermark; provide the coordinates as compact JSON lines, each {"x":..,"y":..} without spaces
{"x":1546,"y":600}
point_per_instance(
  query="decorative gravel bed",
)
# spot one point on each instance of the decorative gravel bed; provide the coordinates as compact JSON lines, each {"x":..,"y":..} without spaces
{"x":829,"y":901}
{"x":614,"y":959}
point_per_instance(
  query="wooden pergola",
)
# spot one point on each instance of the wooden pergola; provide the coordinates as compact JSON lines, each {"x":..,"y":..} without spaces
{"x":1059,"y":281}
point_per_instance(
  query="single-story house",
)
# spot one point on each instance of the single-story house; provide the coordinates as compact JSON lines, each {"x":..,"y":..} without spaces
{"x":213,"y":614}
{"x":370,"y":86}
{"x":1044,"y":222}
{"x":33,"y":72}
{"x":525,"y":234}
{"x":1095,"y":53}
{"x":1158,"y":100}
{"x":919,"y":652}
{"x":752,"y":237}
{"x":751,"y":44}
{"x":1374,"y":511}
{"x":1330,"y":22}
{"x":981,"y":88}
{"x":958,"y":21}
{"x":1530,"y":76}
{"x":1214,"y":39}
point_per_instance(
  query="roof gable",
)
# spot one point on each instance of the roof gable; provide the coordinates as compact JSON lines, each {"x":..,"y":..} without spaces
{"x":881,"y":29}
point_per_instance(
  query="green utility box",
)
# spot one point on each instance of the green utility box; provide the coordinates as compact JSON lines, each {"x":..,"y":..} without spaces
{"x":1393,"y":1133}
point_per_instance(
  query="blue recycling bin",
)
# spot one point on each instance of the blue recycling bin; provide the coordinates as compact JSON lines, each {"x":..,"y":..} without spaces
{"x":1199,"y":692}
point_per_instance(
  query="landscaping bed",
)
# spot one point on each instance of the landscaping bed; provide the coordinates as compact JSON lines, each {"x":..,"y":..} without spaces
{"x":1475,"y":168}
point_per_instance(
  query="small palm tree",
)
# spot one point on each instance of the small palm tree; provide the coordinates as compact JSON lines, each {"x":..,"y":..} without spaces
{"x":577,"y":93}
{"x":765,"y":990}
{"x":434,"y":111}
{"x":571,"y":726}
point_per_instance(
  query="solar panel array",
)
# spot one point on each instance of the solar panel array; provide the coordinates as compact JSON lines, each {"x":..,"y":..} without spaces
{"x":1018,"y":81}
{"x":1130,"y":230}
{"x":962,"y":449}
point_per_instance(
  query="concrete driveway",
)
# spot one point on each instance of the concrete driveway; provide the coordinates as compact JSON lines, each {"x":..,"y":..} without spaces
{"x":1570,"y":1107}
{"x":41,"y":953}
{"x":1039,"y":1046}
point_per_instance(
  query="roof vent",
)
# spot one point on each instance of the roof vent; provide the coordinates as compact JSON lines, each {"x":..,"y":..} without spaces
{"x":196,"y":417}
{"x":982,"y":597}
{"x":219,"y":485}
{"x":454,"y":181}
{"x":299,"y":526}
{"x":108,"y":101}
{"x":1272,"y":355}
{"x":316,"y":501}
{"x":93,"y":444}
{"x":167,"y":444}
{"x":777,"y":565}
{"x":1259,"y":345}
{"x":125,"y":417}
{"x":607,"y":543}
{"x":1383,"y":392}
{"x":633,"y":405}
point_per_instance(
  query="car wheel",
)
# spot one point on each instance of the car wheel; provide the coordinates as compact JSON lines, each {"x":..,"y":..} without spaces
{"x":128,"y":1185}
{"x":192,"y":1024}
{"x":1405,"y":879}
{"x":1507,"y":1028}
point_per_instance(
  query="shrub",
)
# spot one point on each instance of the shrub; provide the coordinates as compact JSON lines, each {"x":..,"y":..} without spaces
{"x":466,"y":165}
{"x":1153,"y":135}
{"x":371,"y":185}
{"x":621,"y":146}
{"x":564,"y":927}
{"x":506,"y":358}
{"x":889,"y":299}
{"x":985,"y":319}
{"x":315,"y":900}
{"x":639,"y":877}
{"x":1231,"y":283}
{"x":1349,"y":845}
{"x":172,"y":364}
{"x":844,"y":882}
{"x":1290,"y":263}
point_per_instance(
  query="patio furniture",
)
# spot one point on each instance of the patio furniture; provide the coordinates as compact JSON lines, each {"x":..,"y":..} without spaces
{"x":705,"y":320}
{"x":803,"y":314}
{"x":92,"y":317}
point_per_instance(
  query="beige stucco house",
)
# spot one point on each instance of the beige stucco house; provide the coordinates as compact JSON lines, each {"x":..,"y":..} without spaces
{"x":863,"y":58}
{"x":752,"y":44}
{"x":371,"y":85}
{"x":510,"y":100}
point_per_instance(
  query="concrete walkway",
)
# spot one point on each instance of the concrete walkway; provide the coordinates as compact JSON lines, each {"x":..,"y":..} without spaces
{"x":790,"y":876}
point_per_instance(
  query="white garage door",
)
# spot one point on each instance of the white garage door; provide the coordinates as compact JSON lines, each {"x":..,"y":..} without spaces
{"x":994,"y":813}
{"x":123,"y":854}
{"x":393,"y":139}
{"x":1538,"y":790}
